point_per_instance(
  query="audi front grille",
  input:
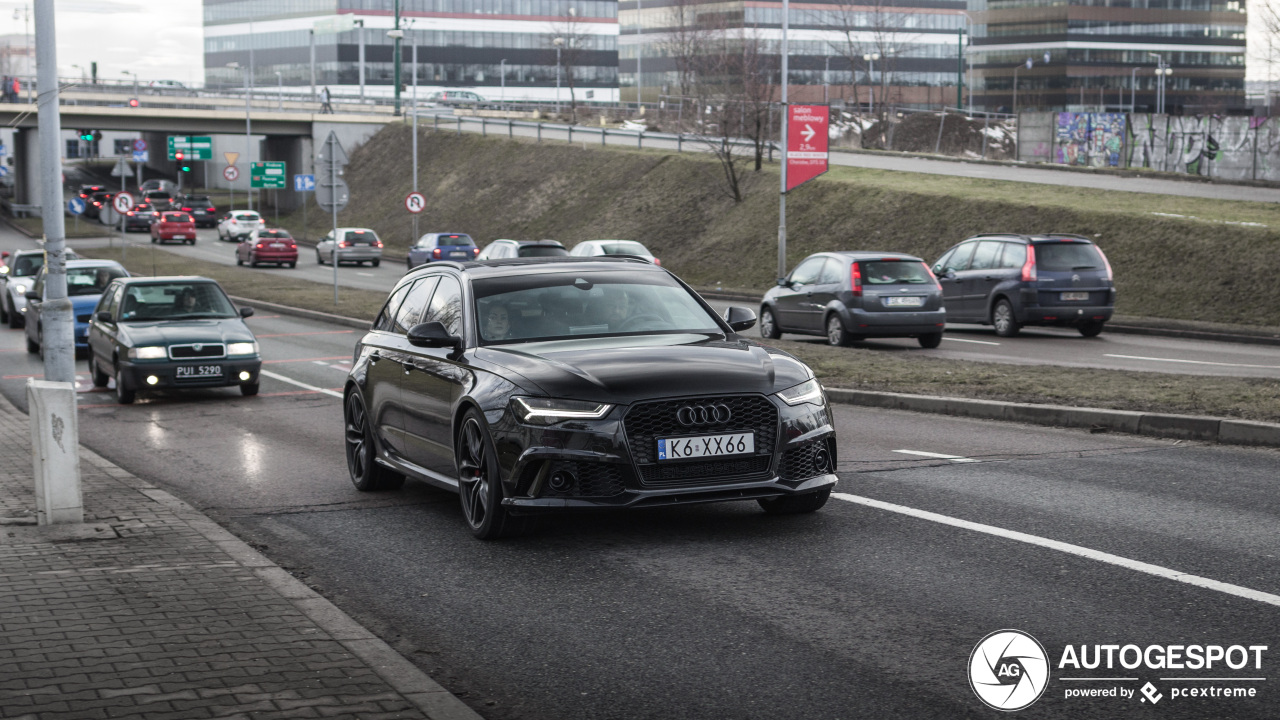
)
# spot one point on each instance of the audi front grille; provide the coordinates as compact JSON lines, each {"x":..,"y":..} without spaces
{"x":645,"y":422}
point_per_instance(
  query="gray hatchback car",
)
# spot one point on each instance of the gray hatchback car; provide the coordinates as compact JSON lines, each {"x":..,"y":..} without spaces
{"x":851,"y":296}
{"x":1009,"y":281}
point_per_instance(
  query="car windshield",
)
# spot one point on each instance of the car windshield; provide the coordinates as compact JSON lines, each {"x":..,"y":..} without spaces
{"x":524,"y":308}
{"x":174,"y":301}
{"x":245,"y":217}
{"x":177,"y":217}
{"x":895,"y":272}
{"x":542,"y":251}
{"x":1066,"y":256}
{"x":28,"y":265}
{"x":623,"y":247}
{"x":91,"y":280}
{"x":458,"y":240}
{"x":360,"y":237}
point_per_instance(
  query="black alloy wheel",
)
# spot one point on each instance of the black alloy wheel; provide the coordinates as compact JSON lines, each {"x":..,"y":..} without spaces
{"x":1003,"y":319}
{"x":366,"y":474}
{"x":479,"y":484}
{"x":795,"y":504}
{"x":768,"y":326}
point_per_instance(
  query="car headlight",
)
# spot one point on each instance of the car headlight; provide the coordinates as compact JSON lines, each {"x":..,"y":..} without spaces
{"x":154,"y":352}
{"x":19,"y":290}
{"x":548,"y":411}
{"x":809,"y":391}
{"x":242,"y":348}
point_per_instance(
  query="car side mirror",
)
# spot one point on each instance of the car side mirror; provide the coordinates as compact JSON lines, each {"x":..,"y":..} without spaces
{"x":432,"y":334}
{"x":740,"y":318}
{"x":246,"y":312}
{"x":783,"y":282}
{"x":104,"y":316}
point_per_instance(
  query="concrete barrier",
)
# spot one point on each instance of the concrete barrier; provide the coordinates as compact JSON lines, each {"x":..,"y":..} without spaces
{"x":55,"y":451}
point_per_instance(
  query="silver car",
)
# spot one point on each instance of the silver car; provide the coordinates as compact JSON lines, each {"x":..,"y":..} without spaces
{"x":353,"y":245}
{"x":16,"y":279}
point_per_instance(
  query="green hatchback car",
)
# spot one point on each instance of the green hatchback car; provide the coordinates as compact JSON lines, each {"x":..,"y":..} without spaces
{"x":171,"y":333}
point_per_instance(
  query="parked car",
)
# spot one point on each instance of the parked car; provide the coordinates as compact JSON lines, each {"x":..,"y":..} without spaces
{"x":159,"y":199}
{"x":16,"y":278}
{"x":140,"y":218}
{"x":86,"y":281}
{"x":851,"y":296}
{"x":356,"y":245}
{"x":170,"y":225}
{"x":88,"y":190}
{"x":171,"y":333}
{"x":239,"y":224}
{"x":597,"y":248}
{"x":200,"y":207}
{"x":268,"y":246}
{"x":1009,"y":281}
{"x":551,"y":383}
{"x":441,"y":246}
{"x":499,"y":249}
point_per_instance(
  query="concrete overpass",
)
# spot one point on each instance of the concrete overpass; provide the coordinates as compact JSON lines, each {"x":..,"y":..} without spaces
{"x":289,"y":135}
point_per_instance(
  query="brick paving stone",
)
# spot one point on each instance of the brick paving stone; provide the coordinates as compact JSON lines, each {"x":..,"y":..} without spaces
{"x":151,"y":620}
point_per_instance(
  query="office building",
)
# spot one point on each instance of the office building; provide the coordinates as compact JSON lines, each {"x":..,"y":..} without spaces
{"x":496,"y":48}
{"x":1104,"y":54}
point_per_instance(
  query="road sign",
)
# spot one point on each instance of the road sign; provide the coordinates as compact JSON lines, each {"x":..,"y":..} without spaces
{"x":192,"y":147}
{"x":267,"y":175}
{"x":123,"y":202}
{"x":329,"y":194}
{"x":139,"y":145}
{"x":304,"y":183}
{"x":806,"y":143}
{"x":75,"y":206}
{"x":108,"y":216}
{"x":332,"y":193}
{"x":121,"y":169}
{"x":231,"y":173}
{"x":141,"y":156}
{"x":231,"y":157}
{"x":415,"y":202}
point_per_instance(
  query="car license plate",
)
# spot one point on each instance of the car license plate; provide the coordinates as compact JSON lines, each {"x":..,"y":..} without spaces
{"x":701,"y":446}
{"x":277,"y":245}
{"x":198,"y":371}
{"x":1068,"y":296}
{"x":457,"y":254}
{"x":179,"y":237}
{"x":904,"y":301}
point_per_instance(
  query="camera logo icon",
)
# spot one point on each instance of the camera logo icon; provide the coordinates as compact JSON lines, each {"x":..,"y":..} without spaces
{"x":1008,"y":670}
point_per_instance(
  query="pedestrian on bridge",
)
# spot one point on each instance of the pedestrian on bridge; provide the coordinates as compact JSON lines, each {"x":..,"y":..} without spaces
{"x":325,"y":107}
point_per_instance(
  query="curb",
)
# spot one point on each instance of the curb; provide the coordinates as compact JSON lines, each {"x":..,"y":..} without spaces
{"x":1182,"y":427}
{"x":399,"y":673}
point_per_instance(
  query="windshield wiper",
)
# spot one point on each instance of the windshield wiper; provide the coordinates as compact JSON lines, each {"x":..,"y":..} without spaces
{"x":197,"y":316}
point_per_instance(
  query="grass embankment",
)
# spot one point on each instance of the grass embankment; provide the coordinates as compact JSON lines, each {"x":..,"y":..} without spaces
{"x":1176,"y":258}
{"x":268,"y":286}
{"x":903,"y":371}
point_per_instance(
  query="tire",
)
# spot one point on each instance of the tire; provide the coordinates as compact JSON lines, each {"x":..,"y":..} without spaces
{"x":319,"y":260}
{"x":795,"y":504}
{"x":33,"y":347}
{"x":769,"y":329}
{"x":479,"y":483}
{"x":366,"y":474}
{"x":4,"y":312}
{"x":15,"y":319}
{"x":1005,"y":322}
{"x":408,"y":263}
{"x":238,"y":260}
{"x":191,"y":243}
{"x":124,"y":397}
{"x":100,"y":379}
{"x":253,"y":261}
{"x":375,"y":263}
{"x":293,"y":264}
{"x":1091,"y":329}
{"x":837,"y":336}
{"x":249,"y":389}
{"x":930,"y":340}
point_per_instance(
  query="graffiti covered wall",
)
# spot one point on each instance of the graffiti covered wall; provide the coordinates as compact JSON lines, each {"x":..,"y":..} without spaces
{"x":1095,"y":139}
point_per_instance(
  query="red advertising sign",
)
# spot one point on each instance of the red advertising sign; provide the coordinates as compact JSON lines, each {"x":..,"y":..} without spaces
{"x":806,"y":143}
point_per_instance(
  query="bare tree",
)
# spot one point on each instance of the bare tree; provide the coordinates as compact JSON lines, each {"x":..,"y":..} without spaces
{"x":569,"y":38}
{"x":1267,"y":53}
{"x":870,"y":36}
{"x":686,"y":42}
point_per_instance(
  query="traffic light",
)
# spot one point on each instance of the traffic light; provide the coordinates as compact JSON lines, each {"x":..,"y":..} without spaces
{"x":178,"y":156}
{"x":133,"y":102}
{"x":86,"y":135}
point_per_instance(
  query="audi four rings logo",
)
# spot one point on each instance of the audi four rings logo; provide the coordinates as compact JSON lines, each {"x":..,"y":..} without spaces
{"x":704,"y":414}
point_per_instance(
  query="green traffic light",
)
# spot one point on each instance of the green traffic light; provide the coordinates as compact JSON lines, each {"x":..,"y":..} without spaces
{"x":186,"y":168}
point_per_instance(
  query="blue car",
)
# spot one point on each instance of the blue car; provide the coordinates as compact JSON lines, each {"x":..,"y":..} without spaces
{"x":86,"y":279}
{"x":458,"y":247}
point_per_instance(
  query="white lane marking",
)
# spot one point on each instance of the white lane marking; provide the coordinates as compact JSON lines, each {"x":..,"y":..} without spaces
{"x":976,"y":342}
{"x":291,"y":381}
{"x":1084,"y":552}
{"x":319,"y":362}
{"x":1194,"y":362}
{"x":940,"y":456}
{"x":366,"y":274}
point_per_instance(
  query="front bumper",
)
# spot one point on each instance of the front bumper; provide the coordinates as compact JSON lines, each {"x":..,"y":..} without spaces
{"x":135,"y":374}
{"x":894,"y":324}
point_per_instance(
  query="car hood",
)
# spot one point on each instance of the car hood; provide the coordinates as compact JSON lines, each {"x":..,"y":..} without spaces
{"x":25,"y":282}
{"x":625,"y":369}
{"x":84,"y":304}
{"x":171,"y":332}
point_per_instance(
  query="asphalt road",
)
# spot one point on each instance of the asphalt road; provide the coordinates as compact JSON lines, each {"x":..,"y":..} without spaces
{"x":868,"y":608}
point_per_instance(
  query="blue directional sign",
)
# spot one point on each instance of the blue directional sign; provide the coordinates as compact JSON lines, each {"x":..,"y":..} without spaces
{"x":141,"y":156}
{"x":304,"y":183}
{"x":75,"y":206}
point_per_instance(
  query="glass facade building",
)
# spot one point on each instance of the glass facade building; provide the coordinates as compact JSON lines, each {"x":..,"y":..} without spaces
{"x":1103,"y":54}
{"x":492,"y":47}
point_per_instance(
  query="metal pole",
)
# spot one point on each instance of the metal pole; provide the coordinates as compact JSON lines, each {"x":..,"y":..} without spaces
{"x":55,"y":313}
{"x":396,"y":62}
{"x":639,"y":67}
{"x":557,"y":79}
{"x":361,"y":32}
{"x":1133,"y":91}
{"x":332,"y":155}
{"x":248,"y":141}
{"x":826,"y":80}
{"x":279,"y":91}
{"x":1015,"y":89}
{"x":959,"y":72}
{"x":502,"y":70}
{"x":313,"y":65}
{"x":782,"y":194}
{"x":415,"y":134}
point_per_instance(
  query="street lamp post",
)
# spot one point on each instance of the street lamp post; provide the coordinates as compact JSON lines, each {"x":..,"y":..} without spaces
{"x":1133,"y":90}
{"x":1162,"y":71}
{"x":558,"y":42}
{"x":639,"y":53}
{"x":360,"y":24}
{"x":135,"y":80}
{"x":871,"y":59}
{"x":502,"y":73}
{"x":248,"y":136}
{"x":1016,"y":68}
{"x":396,"y":56}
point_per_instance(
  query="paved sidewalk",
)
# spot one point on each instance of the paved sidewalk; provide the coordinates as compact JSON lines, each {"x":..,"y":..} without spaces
{"x":150,"y":610}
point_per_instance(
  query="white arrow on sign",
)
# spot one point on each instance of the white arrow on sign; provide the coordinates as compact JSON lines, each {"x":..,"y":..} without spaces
{"x":808,"y":133}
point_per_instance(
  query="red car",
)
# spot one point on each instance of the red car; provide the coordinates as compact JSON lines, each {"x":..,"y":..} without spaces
{"x":270,"y":246}
{"x":178,"y":226}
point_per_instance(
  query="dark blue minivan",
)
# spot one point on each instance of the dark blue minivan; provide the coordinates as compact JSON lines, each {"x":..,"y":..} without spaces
{"x":1008,"y":281}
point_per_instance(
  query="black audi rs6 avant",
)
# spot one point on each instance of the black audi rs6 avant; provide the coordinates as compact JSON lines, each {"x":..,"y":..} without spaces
{"x":537,"y":384}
